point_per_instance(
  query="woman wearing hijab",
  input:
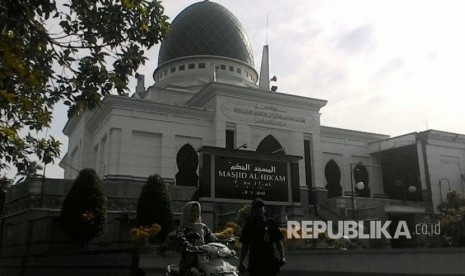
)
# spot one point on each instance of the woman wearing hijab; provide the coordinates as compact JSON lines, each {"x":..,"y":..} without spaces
{"x":194,"y":233}
{"x":258,"y":236}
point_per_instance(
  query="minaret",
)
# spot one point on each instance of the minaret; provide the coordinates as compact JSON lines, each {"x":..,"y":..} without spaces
{"x":264,"y":82}
{"x":140,"y":88}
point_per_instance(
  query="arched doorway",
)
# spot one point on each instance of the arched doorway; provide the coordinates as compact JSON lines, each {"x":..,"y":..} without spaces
{"x":333,"y":179}
{"x":187,"y":162}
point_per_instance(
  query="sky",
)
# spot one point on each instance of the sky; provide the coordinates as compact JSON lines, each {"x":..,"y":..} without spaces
{"x":385,"y":66}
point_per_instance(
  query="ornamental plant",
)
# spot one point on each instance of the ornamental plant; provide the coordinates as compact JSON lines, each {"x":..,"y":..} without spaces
{"x":144,"y":234}
{"x":154,"y":206}
{"x":230,"y":230}
{"x":243,"y":215}
{"x":83,"y":214}
{"x":452,"y":218}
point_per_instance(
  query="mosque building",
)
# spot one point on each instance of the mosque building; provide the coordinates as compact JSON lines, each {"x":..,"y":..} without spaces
{"x":218,"y":130}
{"x":211,"y":118}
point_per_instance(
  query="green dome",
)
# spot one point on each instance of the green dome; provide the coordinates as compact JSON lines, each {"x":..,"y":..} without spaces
{"x":206,"y":28}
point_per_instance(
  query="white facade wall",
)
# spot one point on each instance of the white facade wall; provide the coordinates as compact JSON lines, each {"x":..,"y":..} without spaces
{"x":347,"y":148}
{"x":133,"y":142}
{"x":79,"y":152}
{"x":446,"y":164}
{"x":284,"y":120}
{"x":135,"y":138}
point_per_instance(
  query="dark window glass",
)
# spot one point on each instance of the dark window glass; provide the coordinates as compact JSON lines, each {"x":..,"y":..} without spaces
{"x":201,"y":65}
{"x":187,"y":162}
{"x":269,"y":144}
{"x":191,"y":66}
{"x":182,"y":67}
{"x":333,"y":179}
{"x":229,"y":139}
{"x":308,"y":164}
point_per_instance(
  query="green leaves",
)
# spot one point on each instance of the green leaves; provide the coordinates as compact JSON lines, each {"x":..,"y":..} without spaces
{"x":76,"y":52}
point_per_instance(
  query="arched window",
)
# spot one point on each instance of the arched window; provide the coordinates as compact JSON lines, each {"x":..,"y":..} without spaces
{"x":333,"y":179}
{"x":187,"y":162}
{"x":269,"y":144}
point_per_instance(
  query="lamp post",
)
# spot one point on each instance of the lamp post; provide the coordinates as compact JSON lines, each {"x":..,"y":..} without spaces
{"x":352,"y":191}
{"x":360,"y":185}
{"x":440,"y":188}
{"x":406,"y":192}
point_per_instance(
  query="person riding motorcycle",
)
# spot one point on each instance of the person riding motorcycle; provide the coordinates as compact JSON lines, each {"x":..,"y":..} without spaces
{"x":193,"y":234}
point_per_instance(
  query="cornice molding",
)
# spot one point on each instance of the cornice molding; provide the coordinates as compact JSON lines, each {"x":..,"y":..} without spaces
{"x":351,"y":134}
{"x":214,"y":89}
{"x":110,"y":103}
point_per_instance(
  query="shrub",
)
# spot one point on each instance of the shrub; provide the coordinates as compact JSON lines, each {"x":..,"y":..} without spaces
{"x":154,"y":206}
{"x":452,"y":218}
{"x":230,"y":230}
{"x":83,"y":214}
{"x":243,"y":215}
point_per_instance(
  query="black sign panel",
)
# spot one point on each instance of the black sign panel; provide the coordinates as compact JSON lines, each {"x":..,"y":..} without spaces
{"x":243,"y":178}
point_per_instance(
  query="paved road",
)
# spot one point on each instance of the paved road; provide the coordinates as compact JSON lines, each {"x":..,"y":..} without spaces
{"x":323,"y":273}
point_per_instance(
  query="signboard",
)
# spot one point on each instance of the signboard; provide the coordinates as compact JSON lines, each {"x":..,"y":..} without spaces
{"x":246,"y":178}
{"x":268,"y":115}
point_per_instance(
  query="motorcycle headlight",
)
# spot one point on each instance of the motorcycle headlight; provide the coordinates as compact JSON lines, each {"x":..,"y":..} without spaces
{"x":222,"y":253}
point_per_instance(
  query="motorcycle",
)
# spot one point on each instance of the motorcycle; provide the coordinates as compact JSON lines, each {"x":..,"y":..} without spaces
{"x":211,"y":261}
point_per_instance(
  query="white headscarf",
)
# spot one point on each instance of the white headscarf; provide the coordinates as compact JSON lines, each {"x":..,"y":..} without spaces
{"x":197,"y":226}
